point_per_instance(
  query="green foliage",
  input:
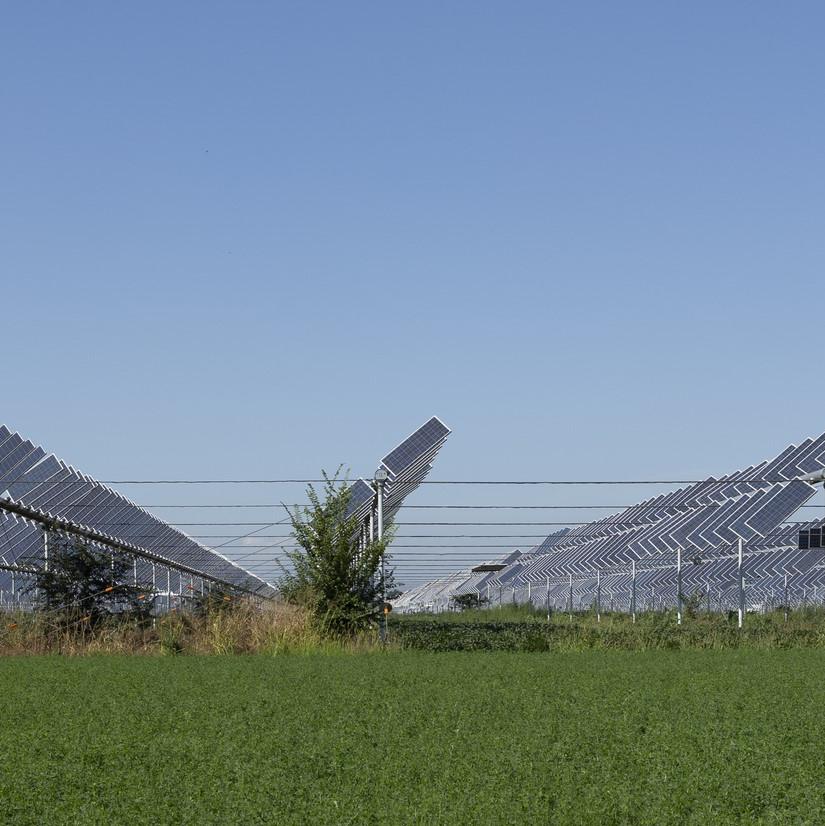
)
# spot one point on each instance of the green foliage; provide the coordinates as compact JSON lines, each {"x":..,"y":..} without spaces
{"x":341,"y":584}
{"x":603,"y":737}
{"x":522,"y":628}
{"x":85,"y":584}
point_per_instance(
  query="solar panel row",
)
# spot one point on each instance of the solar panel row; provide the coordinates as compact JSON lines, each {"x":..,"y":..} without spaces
{"x":43,"y":482}
{"x":703,"y":521}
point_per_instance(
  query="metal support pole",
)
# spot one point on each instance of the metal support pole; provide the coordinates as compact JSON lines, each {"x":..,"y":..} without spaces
{"x":45,"y":549}
{"x":168,"y":591}
{"x":785,"y":598}
{"x":570,"y":599}
{"x":598,"y":596}
{"x":679,"y":586}
{"x":380,"y":478}
{"x":548,"y":599}
{"x":529,"y":593}
{"x":134,"y":570}
{"x":633,"y":590}
{"x":741,"y":583}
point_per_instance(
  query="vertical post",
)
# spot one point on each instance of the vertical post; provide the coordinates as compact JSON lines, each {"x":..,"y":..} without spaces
{"x":380,"y":478}
{"x":740,"y":583}
{"x":548,"y":599}
{"x":785,"y":598}
{"x":570,"y":599}
{"x":134,"y":570}
{"x":679,"y":586}
{"x":598,"y":595}
{"x":45,"y":549}
{"x":707,"y":589}
{"x":633,"y":590}
{"x":168,"y":591}
{"x":529,"y":593}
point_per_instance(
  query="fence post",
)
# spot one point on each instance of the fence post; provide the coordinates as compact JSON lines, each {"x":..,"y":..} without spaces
{"x":548,"y":599}
{"x":633,"y":590}
{"x":741,"y":583}
{"x":598,"y":595}
{"x":529,"y":593}
{"x":570,"y":599}
{"x":679,"y":586}
{"x":785,"y":598}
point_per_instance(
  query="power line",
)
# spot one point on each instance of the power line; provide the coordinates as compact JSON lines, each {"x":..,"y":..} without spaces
{"x":728,"y":481}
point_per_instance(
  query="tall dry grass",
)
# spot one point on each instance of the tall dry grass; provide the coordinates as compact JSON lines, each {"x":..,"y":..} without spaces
{"x":274,"y":628}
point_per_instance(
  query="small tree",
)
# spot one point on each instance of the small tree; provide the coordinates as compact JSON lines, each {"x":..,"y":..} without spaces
{"x":467,"y":602}
{"x":87,"y":583}
{"x":340,"y":582}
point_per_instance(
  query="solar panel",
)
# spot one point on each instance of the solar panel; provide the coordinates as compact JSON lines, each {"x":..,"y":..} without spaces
{"x":702,"y":521}
{"x":45,"y":484}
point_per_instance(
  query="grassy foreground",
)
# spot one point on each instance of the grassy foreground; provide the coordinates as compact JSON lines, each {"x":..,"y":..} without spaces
{"x":595,"y":737}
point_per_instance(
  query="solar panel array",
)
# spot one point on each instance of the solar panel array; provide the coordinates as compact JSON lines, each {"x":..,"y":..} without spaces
{"x":31,"y":477}
{"x":704,"y":522}
{"x":407,"y":466}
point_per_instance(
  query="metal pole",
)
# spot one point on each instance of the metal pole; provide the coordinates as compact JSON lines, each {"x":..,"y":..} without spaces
{"x":168,"y":592}
{"x":548,"y":599}
{"x":633,"y":590}
{"x":741,"y":583}
{"x":785,"y":597}
{"x":570,"y":599}
{"x":380,"y":517}
{"x":46,"y":549}
{"x":598,"y":596}
{"x":679,"y":586}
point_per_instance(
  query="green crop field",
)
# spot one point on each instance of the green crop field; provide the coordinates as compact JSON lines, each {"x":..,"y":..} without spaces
{"x":594,"y":737}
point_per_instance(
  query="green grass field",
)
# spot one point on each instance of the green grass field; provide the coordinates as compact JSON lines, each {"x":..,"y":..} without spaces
{"x":595,"y":737}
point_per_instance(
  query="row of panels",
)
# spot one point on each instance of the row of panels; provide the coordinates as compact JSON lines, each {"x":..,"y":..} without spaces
{"x":704,"y":521}
{"x":30,"y":476}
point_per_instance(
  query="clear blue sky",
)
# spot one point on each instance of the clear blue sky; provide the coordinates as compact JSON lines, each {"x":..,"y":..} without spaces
{"x":259,"y":239}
